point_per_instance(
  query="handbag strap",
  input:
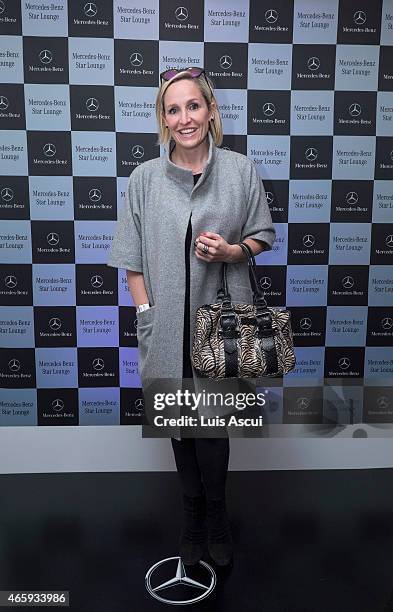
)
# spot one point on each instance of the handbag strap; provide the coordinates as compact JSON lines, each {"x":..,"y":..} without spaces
{"x":259,"y":296}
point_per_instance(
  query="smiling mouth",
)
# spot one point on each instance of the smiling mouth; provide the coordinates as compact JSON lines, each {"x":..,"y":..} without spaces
{"x":187,"y":132}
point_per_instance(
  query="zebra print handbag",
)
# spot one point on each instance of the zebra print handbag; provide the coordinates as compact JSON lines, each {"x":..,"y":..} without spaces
{"x":242,"y":340}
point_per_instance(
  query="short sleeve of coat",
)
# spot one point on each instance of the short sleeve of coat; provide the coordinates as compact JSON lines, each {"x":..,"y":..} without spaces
{"x":126,"y":250}
{"x":258,"y":224}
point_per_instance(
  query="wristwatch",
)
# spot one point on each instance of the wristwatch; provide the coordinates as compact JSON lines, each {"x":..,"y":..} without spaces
{"x":142,"y":307}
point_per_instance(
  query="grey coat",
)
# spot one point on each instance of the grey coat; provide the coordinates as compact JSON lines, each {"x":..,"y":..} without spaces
{"x":228,"y":199}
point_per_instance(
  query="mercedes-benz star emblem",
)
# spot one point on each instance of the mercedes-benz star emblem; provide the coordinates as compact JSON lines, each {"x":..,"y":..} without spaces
{"x":391,"y":154}
{"x":137,"y":151}
{"x":94,"y":195}
{"x":96,"y":281}
{"x":2,"y":7}
{"x":313,"y":63}
{"x":136,"y":59}
{"x":269,"y":109}
{"x":225,"y":62}
{"x":359,"y":17}
{"x":7,"y":194}
{"x":90,"y":9}
{"x":198,"y":589}
{"x":351,"y":197}
{"x":311,"y":154}
{"x":265,"y":282}
{"x":305,"y":323}
{"x":4,"y":103}
{"x":344,"y":363}
{"x":308,"y":240}
{"x":45,"y":56}
{"x":355,"y":109}
{"x":98,"y":363}
{"x":347,"y":282}
{"x":181,"y":13}
{"x":52,"y":238}
{"x":389,"y":241}
{"x":57,"y":404}
{"x":302,"y":402}
{"x":271,"y":16}
{"x":269,"y":197}
{"x":10,"y":281}
{"x":55,"y":323}
{"x":139,"y":404}
{"x":49,"y":149}
{"x":14,"y":365}
{"x":387,"y":323}
{"x":92,"y":104}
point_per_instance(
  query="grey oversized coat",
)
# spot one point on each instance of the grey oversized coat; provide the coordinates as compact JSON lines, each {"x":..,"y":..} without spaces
{"x":228,"y":199}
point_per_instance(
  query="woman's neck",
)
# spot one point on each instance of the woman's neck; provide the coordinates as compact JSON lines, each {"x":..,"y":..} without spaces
{"x":194,"y":160}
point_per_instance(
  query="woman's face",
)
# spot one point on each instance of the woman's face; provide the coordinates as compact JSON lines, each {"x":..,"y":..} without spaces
{"x":186,"y":114}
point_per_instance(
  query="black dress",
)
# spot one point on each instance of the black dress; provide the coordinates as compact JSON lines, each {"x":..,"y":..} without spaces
{"x":187,"y":369}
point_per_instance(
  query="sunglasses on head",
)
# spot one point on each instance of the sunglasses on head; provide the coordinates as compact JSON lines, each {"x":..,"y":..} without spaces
{"x":194,"y":71}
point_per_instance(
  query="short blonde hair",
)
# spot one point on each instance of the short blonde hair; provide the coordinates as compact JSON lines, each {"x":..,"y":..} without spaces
{"x":215,"y":125}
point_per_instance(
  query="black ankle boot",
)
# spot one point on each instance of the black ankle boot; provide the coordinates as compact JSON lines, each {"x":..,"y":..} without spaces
{"x":219,"y":539}
{"x":192,"y":542}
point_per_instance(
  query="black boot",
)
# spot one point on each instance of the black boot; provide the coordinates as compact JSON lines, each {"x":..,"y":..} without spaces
{"x":192,"y":542}
{"x":219,"y":539}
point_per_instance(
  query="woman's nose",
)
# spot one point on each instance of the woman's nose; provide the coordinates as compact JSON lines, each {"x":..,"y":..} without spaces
{"x":184,"y":116}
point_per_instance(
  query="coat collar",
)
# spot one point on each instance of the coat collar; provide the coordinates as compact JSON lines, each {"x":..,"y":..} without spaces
{"x":183,"y":175}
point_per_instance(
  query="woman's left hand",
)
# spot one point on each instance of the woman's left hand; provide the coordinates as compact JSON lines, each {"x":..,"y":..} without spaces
{"x":219,"y":249}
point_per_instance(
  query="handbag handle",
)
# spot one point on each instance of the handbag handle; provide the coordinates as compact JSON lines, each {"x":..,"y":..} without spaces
{"x":223,"y":293}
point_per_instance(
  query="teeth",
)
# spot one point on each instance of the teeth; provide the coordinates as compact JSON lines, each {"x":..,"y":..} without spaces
{"x":187,"y":131}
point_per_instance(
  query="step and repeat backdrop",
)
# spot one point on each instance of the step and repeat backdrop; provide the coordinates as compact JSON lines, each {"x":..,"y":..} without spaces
{"x":305,"y":90}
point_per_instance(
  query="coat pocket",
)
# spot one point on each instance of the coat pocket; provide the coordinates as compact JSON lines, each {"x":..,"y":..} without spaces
{"x":144,"y":330}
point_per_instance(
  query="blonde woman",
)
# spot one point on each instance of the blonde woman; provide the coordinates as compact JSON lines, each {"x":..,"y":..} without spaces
{"x":184,"y":215}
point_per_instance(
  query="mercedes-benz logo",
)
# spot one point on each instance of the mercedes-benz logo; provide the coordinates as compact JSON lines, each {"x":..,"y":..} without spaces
{"x":359,"y":17}
{"x":14,"y":365}
{"x":4,"y":103}
{"x":139,"y":404}
{"x":92,"y":104}
{"x":7,"y":194}
{"x":57,"y":404}
{"x":351,"y":197}
{"x":383,"y":402}
{"x":308,"y":240}
{"x":265,"y":282}
{"x":311,"y":154}
{"x":302,"y":402}
{"x":269,"y":109}
{"x":136,"y":59}
{"x":10,"y":281}
{"x":203,"y":589}
{"x":52,"y":238}
{"x":271,"y":16}
{"x":45,"y":56}
{"x":305,"y":323}
{"x":2,"y":7}
{"x":391,"y":154}
{"x":389,"y":241}
{"x":137,"y":151}
{"x":181,"y":13}
{"x":344,"y":363}
{"x":387,"y":323}
{"x":269,"y":197}
{"x":355,"y":109}
{"x":94,"y":195}
{"x":55,"y":323}
{"x":313,"y":63}
{"x":90,"y":9}
{"x":347,"y":282}
{"x":96,"y":281}
{"x":98,"y":363}
{"x":49,"y":149}
{"x":225,"y":62}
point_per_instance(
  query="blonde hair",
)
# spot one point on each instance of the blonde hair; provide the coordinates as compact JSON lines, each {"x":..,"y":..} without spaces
{"x":215,"y":125}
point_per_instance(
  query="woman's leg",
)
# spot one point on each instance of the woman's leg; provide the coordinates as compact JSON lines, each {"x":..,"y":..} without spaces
{"x":213,"y":458}
{"x":187,"y":466}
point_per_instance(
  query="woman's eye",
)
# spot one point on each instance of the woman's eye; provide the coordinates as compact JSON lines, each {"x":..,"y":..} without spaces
{"x":170,"y":111}
{"x":194,"y":104}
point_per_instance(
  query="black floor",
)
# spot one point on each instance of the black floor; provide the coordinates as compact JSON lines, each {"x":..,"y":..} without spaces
{"x":304,"y":541}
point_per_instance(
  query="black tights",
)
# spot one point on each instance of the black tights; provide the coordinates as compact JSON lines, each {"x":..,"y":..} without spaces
{"x":202,"y":462}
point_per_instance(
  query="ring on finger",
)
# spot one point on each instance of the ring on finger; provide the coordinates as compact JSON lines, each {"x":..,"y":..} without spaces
{"x":205,"y":248}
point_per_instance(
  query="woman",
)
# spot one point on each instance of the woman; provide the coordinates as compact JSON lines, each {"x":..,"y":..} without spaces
{"x":184,"y":215}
